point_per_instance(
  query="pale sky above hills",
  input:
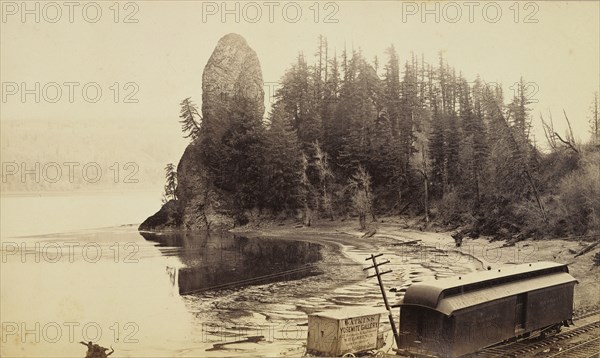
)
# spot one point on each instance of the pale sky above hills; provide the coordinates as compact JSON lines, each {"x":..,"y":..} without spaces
{"x":164,"y":53}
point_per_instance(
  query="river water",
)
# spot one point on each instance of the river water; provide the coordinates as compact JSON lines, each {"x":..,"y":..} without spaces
{"x":179,"y":294}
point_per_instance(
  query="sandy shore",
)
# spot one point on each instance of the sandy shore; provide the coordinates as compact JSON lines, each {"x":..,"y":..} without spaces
{"x":482,"y":252}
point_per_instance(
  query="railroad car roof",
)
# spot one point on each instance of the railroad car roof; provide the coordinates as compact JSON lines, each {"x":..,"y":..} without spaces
{"x":449,"y":305}
{"x":481,"y":286}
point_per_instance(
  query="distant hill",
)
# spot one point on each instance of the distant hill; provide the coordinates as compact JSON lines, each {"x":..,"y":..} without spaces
{"x":89,"y":145}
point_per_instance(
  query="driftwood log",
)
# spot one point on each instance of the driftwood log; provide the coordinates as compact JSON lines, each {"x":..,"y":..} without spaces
{"x":251,"y":339}
{"x":588,"y":248}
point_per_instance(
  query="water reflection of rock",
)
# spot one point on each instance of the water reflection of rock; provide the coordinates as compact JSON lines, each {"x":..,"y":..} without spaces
{"x":224,"y":260}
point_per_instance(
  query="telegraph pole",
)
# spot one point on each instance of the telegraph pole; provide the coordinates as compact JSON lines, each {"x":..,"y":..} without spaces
{"x":385,"y":300}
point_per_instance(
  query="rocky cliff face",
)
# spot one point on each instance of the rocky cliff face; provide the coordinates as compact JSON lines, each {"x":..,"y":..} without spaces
{"x":231,"y":75}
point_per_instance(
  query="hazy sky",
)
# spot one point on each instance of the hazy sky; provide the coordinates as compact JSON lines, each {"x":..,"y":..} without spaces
{"x":553,"y":45}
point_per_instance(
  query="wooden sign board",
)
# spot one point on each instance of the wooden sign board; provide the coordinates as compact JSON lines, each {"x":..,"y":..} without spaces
{"x":348,"y":330}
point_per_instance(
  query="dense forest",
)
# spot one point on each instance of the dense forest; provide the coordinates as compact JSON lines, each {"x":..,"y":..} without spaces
{"x":352,"y":137}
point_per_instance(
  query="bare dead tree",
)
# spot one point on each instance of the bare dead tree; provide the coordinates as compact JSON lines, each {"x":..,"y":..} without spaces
{"x":552,"y":136}
{"x":549,"y":131}
{"x":570,"y":139}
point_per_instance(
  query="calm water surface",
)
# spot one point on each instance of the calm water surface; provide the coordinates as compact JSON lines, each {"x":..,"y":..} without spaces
{"x":149,"y":295}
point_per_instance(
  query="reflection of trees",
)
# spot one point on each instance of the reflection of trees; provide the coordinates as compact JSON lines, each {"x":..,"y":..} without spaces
{"x":217,"y":259}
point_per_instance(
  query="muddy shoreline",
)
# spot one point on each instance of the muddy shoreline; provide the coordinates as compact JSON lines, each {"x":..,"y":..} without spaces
{"x":482,"y":252}
{"x":278,"y":310}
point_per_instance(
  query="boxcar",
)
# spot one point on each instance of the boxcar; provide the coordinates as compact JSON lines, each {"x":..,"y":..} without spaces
{"x":459,"y":315}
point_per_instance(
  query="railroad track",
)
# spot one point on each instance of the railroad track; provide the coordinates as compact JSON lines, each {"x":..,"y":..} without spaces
{"x":587,"y":349}
{"x":586,"y":315}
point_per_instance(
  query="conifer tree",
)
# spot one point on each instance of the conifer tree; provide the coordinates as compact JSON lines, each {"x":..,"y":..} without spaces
{"x":329,"y":104}
{"x":325,"y":178}
{"x":297,"y":95}
{"x":171,"y":185}
{"x":190,"y":119}
{"x":357,"y":112}
{"x":392,"y":88}
{"x":243,"y":159}
{"x":595,"y":120}
{"x":283,"y":169}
